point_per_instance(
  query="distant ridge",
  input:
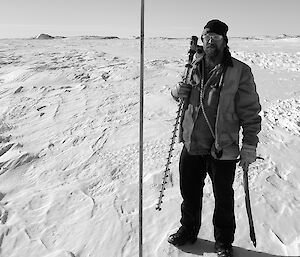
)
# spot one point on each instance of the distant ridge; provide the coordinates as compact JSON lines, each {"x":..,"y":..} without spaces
{"x":99,"y":37}
{"x":46,"y":36}
{"x":282,"y":36}
{"x":167,"y":38}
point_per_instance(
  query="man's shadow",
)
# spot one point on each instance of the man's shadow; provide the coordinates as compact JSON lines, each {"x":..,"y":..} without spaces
{"x":202,"y":246}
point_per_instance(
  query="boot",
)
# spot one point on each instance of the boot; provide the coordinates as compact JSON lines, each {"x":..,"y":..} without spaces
{"x":181,"y":237}
{"x":223,"y":250}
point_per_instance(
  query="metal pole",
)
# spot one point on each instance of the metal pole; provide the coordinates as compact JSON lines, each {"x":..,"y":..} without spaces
{"x":141,"y":133}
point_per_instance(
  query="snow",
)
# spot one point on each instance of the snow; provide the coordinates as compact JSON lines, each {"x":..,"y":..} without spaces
{"x":69,"y":149}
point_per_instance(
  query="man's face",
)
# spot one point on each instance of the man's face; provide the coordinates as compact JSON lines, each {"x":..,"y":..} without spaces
{"x":213,"y":44}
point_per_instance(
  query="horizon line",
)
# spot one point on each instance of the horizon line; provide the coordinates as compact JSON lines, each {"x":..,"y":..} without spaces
{"x":282,"y":35}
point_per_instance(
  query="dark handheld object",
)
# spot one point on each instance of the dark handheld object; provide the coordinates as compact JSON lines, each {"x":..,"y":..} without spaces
{"x":191,"y":52}
{"x":188,"y":66}
{"x":248,"y":206}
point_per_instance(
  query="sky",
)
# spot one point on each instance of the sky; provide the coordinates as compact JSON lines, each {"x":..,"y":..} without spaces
{"x":168,"y":18}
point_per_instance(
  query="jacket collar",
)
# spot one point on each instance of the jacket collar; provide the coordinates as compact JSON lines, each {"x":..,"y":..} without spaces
{"x":227,"y":60}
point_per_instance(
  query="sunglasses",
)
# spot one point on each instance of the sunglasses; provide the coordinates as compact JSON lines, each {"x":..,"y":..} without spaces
{"x":214,"y":37}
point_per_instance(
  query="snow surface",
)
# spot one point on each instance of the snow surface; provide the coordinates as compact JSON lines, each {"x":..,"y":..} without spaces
{"x":69,"y":149}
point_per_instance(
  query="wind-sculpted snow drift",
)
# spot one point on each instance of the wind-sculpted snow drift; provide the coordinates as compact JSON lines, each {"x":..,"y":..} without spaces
{"x":69,"y":149}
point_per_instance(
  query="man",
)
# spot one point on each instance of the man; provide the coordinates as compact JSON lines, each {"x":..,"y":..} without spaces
{"x":219,"y":99}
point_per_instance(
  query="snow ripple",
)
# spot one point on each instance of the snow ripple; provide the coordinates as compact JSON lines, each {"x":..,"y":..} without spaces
{"x":272,"y":61}
{"x":286,"y":114}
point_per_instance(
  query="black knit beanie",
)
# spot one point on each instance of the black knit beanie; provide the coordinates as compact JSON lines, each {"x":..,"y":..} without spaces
{"x":218,"y":27}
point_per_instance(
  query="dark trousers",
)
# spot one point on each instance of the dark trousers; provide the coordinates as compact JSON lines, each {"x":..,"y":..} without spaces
{"x":193,"y":170}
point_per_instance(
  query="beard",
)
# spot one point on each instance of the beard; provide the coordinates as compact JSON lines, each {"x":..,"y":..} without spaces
{"x":212,"y":51}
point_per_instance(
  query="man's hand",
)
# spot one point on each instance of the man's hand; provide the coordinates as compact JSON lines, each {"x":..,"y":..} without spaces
{"x":182,"y":91}
{"x":248,"y":156}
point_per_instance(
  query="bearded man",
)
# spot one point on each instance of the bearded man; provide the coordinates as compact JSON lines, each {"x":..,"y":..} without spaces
{"x":220,"y":98}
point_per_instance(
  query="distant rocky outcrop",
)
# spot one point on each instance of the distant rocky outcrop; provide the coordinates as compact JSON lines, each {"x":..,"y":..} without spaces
{"x":285,"y":36}
{"x":99,"y":37}
{"x":44,"y":36}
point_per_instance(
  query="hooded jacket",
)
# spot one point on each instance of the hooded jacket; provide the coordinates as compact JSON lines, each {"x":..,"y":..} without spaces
{"x":238,"y":107}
